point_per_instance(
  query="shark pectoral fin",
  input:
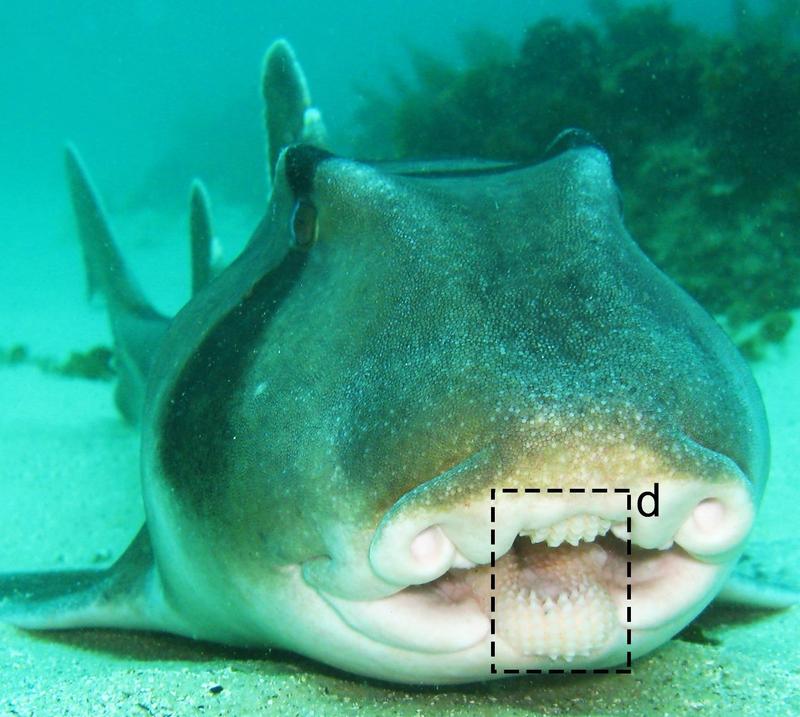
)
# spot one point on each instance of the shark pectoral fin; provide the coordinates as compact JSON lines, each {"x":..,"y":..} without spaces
{"x":764,"y":578}
{"x":748,"y":592}
{"x":128,"y":594}
{"x":290,"y":118}
{"x":135,"y":325}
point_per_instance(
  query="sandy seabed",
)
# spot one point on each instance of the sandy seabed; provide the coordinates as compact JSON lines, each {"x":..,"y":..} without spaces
{"x":70,"y":497}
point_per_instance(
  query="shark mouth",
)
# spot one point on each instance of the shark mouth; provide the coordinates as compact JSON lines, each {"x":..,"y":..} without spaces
{"x":553,"y":593}
{"x":563,"y":588}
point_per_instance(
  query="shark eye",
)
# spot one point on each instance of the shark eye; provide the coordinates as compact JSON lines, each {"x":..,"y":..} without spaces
{"x":304,"y":224}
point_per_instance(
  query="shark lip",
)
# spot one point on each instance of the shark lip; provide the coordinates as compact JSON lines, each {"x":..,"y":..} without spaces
{"x":569,"y":602}
{"x":559,"y":602}
{"x":557,"y":594}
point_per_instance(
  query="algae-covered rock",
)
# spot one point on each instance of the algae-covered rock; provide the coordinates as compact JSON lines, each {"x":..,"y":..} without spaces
{"x":94,"y":364}
{"x":17,"y":354}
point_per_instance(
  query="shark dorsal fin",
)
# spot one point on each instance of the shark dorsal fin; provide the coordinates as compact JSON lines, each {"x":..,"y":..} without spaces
{"x":205,"y":251}
{"x":290,"y":118}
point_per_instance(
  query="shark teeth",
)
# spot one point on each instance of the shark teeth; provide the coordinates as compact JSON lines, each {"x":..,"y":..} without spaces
{"x":572,"y":625}
{"x":553,"y":604}
{"x":573,"y":530}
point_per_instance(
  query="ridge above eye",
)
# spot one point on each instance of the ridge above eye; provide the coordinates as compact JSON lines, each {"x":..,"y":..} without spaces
{"x":301,"y":164}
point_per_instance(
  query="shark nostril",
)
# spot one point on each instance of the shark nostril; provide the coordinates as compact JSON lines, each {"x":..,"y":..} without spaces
{"x":413,"y":555}
{"x":709,"y":515}
{"x":426,"y":544}
{"x":431,"y":548}
{"x":717,"y":524}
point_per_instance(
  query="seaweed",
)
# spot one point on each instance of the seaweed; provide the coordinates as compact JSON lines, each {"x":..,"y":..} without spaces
{"x":95,"y":364}
{"x":17,"y":354}
{"x":703,"y":131}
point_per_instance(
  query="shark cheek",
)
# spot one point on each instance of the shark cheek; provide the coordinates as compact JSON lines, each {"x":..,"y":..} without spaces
{"x":416,"y":620}
{"x":668,"y":590}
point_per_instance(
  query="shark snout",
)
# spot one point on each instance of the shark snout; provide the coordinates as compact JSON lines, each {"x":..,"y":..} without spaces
{"x":474,"y":512}
{"x":585,"y":563}
{"x":708,"y":521}
{"x":568,"y":558}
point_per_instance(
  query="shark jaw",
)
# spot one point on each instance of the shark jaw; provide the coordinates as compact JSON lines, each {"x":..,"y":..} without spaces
{"x":557,"y":594}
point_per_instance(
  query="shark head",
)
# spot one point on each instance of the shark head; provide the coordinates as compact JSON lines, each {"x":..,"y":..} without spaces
{"x":401,"y":353}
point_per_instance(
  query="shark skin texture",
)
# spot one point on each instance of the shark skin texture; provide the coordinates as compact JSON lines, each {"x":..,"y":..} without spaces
{"x":329,"y":423}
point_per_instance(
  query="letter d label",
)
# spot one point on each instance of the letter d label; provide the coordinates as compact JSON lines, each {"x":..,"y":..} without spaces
{"x":647,"y":503}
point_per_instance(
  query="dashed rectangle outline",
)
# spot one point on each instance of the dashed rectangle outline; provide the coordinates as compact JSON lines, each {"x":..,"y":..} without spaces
{"x":492,"y":598}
